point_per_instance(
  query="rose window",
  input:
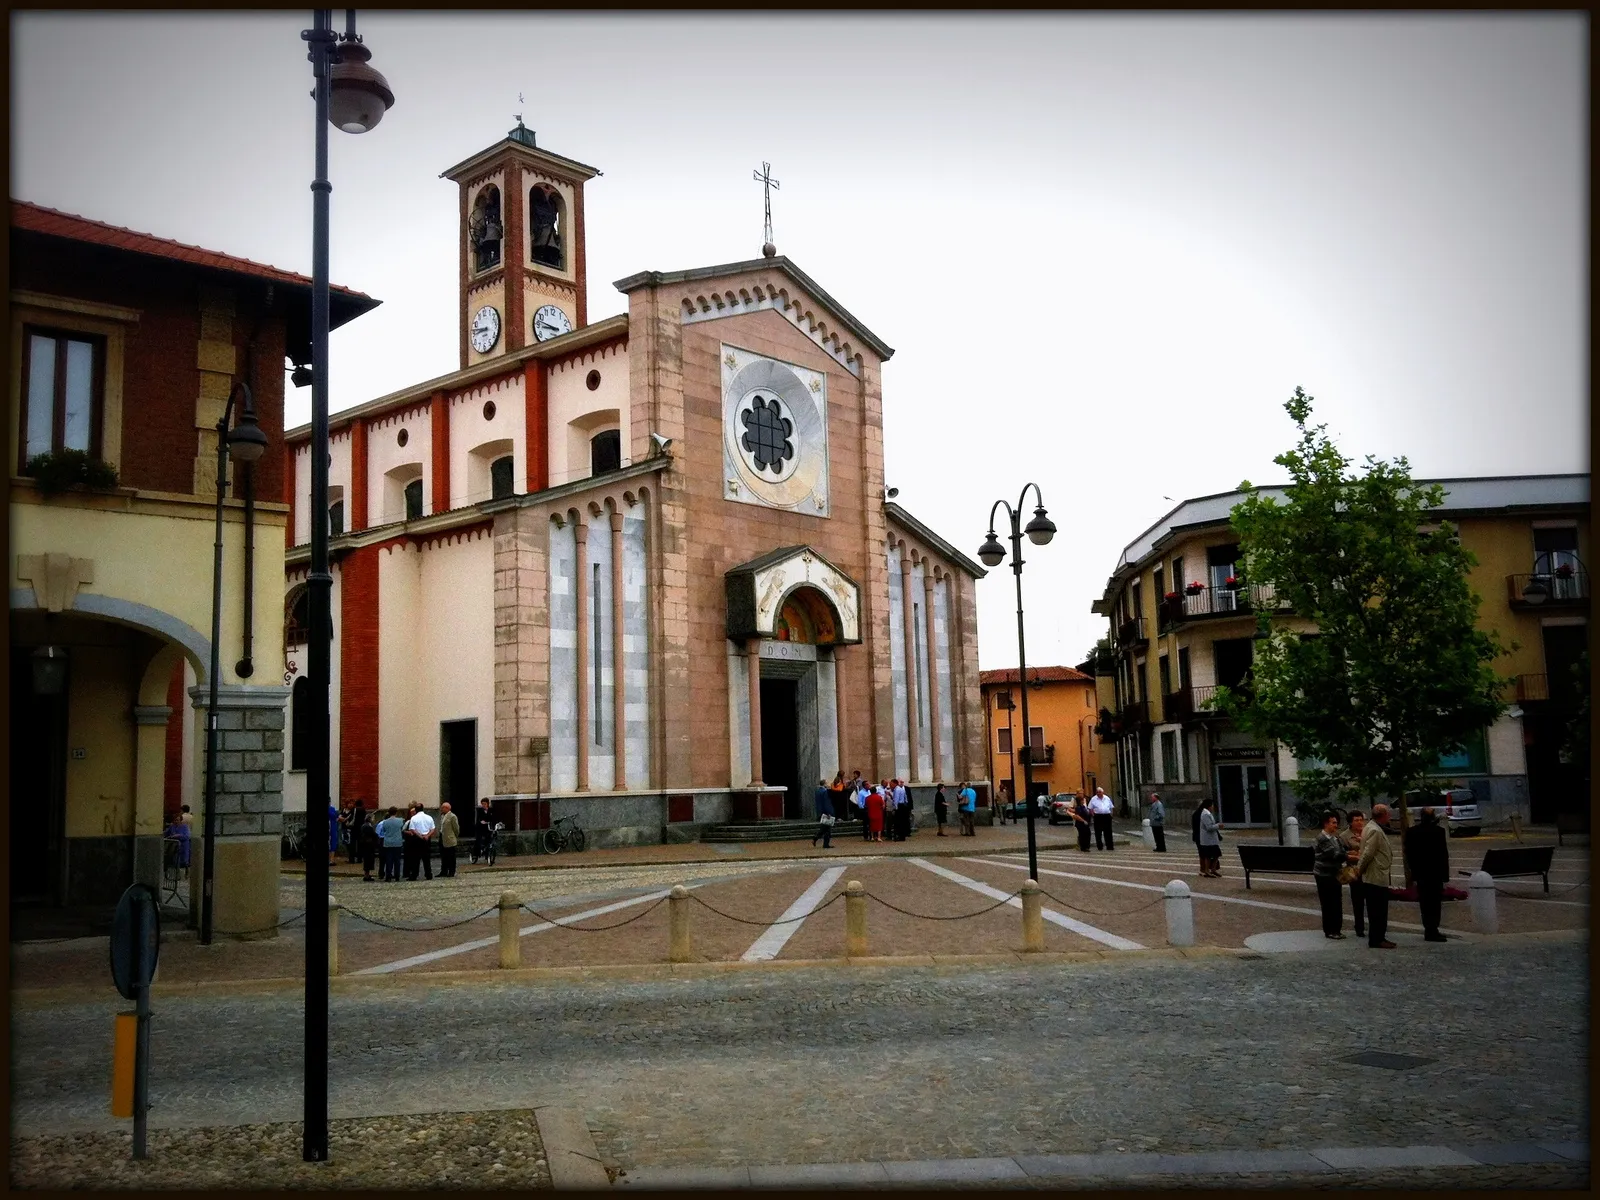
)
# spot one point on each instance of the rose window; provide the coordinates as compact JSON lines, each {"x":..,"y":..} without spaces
{"x":767,"y":434}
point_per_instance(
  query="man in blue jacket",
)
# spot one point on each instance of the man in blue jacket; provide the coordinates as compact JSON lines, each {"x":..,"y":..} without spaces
{"x":825,"y":816}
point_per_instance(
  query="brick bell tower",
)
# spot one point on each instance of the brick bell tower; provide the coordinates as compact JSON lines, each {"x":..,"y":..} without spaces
{"x":523,"y":267}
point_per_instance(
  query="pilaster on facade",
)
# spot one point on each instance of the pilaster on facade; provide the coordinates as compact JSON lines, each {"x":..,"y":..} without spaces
{"x":522,"y":649}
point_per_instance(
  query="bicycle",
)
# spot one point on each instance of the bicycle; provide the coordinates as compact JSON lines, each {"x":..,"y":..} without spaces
{"x":562,"y":834}
{"x":487,"y":850}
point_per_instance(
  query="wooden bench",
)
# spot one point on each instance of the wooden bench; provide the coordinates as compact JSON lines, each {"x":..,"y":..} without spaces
{"x":1570,"y":822}
{"x":1293,"y":860}
{"x":1518,"y":860}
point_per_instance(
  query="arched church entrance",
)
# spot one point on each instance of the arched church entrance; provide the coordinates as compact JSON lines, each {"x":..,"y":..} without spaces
{"x":791,"y":750}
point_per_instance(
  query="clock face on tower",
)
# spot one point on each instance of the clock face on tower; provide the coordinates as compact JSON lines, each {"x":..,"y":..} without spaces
{"x":550,"y":322}
{"x":485,"y":329}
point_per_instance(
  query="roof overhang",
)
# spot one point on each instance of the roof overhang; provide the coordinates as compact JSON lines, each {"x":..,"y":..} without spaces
{"x":911,"y":525}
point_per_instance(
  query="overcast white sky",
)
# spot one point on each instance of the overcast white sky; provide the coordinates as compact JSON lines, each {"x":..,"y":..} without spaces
{"x":1105,"y":249}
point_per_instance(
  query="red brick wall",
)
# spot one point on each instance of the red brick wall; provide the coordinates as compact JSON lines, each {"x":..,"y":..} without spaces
{"x":160,"y":376}
{"x":355,"y":508}
{"x":358,"y":675}
{"x":441,"y":452}
{"x":536,"y":400}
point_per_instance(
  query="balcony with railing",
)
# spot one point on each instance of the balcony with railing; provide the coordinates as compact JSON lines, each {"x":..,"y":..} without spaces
{"x":1042,"y":756}
{"x":1566,"y":586}
{"x":1134,"y":714}
{"x":1203,"y":603}
{"x":1178,"y":705}
{"x":1201,"y":700}
{"x":1131,"y":633}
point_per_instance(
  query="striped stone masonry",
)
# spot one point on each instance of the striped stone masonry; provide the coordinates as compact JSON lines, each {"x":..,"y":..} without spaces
{"x":250,"y":723}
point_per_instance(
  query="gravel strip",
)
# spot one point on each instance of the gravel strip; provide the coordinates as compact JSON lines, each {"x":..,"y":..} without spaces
{"x":495,"y":1150}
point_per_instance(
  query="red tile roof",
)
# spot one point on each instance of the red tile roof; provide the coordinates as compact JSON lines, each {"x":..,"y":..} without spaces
{"x":1042,"y":674}
{"x":35,"y":218}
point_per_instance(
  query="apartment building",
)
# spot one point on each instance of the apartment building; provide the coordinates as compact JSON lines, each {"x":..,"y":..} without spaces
{"x":1181,"y":624}
{"x":1061,"y":737}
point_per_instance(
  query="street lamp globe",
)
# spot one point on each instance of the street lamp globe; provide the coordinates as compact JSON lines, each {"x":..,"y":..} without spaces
{"x":247,"y":443}
{"x":1041,"y":529}
{"x":992,"y":552}
{"x":358,"y":95}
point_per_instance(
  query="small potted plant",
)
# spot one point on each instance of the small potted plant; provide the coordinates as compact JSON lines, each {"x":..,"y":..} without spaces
{"x":70,"y":469}
{"x":1170,"y":597}
{"x":1231,"y":583}
{"x":1195,"y":588}
{"x":1564,"y":571}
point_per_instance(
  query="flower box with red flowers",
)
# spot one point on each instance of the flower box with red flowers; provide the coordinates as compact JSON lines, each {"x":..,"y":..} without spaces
{"x":1564,"y":571}
{"x":1194,"y":589}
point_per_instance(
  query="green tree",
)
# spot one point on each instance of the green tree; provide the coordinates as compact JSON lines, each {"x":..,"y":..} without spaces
{"x":1397,"y":673}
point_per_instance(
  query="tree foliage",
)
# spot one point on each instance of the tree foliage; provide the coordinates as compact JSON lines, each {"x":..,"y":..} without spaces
{"x":1397,"y":673}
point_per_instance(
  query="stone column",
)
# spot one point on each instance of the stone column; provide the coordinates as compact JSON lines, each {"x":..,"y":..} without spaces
{"x":249,"y":799}
{"x":935,"y":735}
{"x":907,"y":627}
{"x":618,"y":659}
{"x":840,"y":691}
{"x":522,"y":648}
{"x":581,"y":558}
{"x":752,"y":662}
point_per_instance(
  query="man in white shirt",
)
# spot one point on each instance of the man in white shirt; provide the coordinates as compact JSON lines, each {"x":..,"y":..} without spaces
{"x":420,"y":827}
{"x":1100,"y":808}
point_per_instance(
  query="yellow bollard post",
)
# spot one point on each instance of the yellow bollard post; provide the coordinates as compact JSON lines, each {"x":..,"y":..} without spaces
{"x":510,"y":942}
{"x":1032,"y":917}
{"x":855,"y":920}
{"x":680,"y":948}
{"x":333,"y":936}
{"x":125,"y":1039}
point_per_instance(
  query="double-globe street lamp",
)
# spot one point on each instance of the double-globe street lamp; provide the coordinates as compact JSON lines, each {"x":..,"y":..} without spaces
{"x":245,"y":444}
{"x":1039,"y":530}
{"x":352,"y":96}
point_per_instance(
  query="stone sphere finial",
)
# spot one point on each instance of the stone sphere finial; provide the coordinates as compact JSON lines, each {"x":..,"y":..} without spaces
{"x":769,"y":250}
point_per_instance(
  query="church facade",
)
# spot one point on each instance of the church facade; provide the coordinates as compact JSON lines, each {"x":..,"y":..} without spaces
{"x":641,"y":572}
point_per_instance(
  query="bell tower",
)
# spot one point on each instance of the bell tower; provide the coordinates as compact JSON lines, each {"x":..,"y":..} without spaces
{"x":523,"y":267}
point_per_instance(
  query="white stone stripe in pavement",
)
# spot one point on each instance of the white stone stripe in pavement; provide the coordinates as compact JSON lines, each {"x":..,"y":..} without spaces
{"x":1322,"y":1161}
{"x":1151,"y":887}
{"x":777,"y":935}
{"x":417,"y":960}
{"x":1089,"y":931}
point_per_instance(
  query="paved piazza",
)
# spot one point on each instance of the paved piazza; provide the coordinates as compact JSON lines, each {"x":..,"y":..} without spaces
{"x":819,"y":1064}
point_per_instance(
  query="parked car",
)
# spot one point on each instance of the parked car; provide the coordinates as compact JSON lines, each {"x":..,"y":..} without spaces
{"x":1061,"y":808}
{"x":1456,"y":807}
{"x":1017,"y":810}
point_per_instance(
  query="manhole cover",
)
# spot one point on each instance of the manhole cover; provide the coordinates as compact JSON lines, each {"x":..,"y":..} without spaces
{"x":1389,"y":1062}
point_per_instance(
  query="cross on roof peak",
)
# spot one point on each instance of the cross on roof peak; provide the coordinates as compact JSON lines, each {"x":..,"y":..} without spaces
{"x":768,"y":183}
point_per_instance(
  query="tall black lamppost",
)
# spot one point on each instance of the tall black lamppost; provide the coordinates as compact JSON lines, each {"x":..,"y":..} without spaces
{"x":352,"y":96}
{"x":245,"y":444}
{"x":1039,"y":530}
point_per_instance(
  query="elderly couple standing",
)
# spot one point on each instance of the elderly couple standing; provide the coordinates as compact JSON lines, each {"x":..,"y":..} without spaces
{"x":1365,"y":851}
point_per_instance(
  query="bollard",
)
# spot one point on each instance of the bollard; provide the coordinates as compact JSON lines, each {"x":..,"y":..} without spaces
{"x":1291,"y":831}
{"x":1032,"y":917}
{"x":680,"y":948}
{"x":1149,"y":835}
{"x":855,"y":920}
{"x":1481,"y":890}
{"x":333,"y":936}
{"x":510,"y":941}
{"x":1180,"y":914}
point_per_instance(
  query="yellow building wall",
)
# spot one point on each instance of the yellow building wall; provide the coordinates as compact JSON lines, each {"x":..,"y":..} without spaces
{"x":1066,"y":710}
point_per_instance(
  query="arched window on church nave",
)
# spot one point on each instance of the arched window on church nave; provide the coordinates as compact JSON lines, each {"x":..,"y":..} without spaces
{"x":605,"y":452}
{"x":414,"y":500}
{"x":546,"y":226}
{"x":336,"y":518}
{"x":502,"y":477}
{"x":486,"y":229}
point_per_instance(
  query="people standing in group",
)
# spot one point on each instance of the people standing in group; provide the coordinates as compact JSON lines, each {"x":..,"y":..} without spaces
{"x":838,"y":790}
{"x":369,"y":848}
{"x":856,"y":800}
{"x":863,"y":795}
{"x":449,"y":836}
{"x":1351,"y":839}
{"x":1373,"y":862}
{"x":420,"y":829}
{"x":333,"y":835}
{"x":1082,"y":821}
{"x":902,"y":810}
{"x":875,"y":804}
{"x":1327,"y":859}
{"x":1210,"y":840}
{"x":941,"y":809}
{"x":969,"y":810}
{"x":1100,"y":808}
{"x":1158,"y":823}
{"x":825,"y":815}
{"x":391,"y":831}
{"x":1426,"y":847}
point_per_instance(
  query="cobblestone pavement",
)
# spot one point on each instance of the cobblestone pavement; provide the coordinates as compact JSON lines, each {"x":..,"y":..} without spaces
{"x":896,"y":1063}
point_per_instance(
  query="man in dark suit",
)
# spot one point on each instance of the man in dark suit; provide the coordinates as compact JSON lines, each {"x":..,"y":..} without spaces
{"x":1427,"y":851}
